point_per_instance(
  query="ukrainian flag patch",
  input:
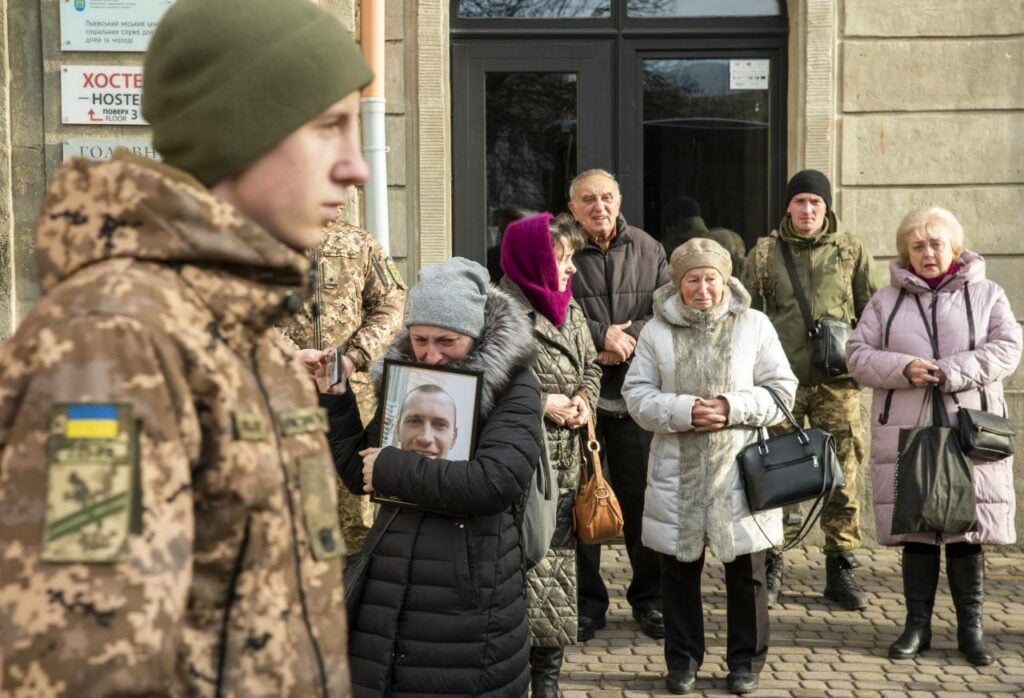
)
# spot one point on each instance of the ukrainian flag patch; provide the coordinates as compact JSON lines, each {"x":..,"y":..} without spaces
{"x":91,"y":421}
{"x":93,"y":499}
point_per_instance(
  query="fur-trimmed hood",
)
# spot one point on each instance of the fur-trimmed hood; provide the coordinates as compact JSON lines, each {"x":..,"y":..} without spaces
{"x":668,"y":305}
{"x":504,"y":348}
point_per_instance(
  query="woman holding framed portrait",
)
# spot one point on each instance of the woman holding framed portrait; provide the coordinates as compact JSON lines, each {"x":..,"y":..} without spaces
{"x":536,"y":258}
{"x":442,"y":610}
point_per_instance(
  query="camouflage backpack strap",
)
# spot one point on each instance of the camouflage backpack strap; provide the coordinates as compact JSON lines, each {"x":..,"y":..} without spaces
{"x":762,"y":253}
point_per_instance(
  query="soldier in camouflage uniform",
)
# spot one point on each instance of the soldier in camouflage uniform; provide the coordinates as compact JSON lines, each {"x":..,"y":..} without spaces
{"x":361,"y":298}
{"x":167,"y":514}
{"x":837,"y":276}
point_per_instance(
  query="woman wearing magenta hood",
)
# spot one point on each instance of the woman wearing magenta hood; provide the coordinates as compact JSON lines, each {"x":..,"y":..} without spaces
{"x":536,"y":258}
{"x":938,"y":291}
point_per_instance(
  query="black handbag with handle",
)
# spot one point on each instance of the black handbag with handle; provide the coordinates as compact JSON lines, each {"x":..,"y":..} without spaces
{"x":934,"y":489}
{"x":983,"y":435}
{"x":794,"y":467}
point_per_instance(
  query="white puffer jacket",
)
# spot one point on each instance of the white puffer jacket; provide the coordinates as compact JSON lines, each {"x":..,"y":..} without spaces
{"x":694,"y":494}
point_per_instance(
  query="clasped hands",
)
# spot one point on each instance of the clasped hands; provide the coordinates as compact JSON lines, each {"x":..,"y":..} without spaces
{"x":709,"y":415}
{"x":315,"y":362}
{"x":922,"y":372}
{"x":618,"y":345}
{"x":572,"y":412}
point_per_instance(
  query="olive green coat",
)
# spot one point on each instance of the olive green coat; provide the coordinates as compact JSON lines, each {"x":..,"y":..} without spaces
{"x":838,"y":279}
{"x":566,"y":363}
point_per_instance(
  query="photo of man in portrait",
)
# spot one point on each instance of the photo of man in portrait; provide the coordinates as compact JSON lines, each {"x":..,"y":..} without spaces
{"x":428,"y":422}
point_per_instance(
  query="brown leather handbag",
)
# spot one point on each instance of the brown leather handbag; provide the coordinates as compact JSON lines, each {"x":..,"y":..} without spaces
{"x":597,"y":516}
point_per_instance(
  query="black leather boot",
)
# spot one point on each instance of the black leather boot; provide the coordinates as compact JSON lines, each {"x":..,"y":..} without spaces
{"x":840,"y":586}
{"x":920,"y":580}
{"x":545,"y":665}
{"x":966,"y":574}
{"x":773,"y":575}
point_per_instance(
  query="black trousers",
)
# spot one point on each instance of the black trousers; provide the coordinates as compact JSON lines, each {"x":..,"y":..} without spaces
{"x":746,"y":613}
{"x":625,"y":448}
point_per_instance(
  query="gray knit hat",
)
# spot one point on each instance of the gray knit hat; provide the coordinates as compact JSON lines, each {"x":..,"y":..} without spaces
{"x":696,"y":253}
{"x":451,"y":295}
{"x":227,"y":80}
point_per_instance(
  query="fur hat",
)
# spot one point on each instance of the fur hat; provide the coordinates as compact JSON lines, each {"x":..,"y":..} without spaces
{"x":225,"y":81}
{"x":697,"y":253}
{"x":451,"y":295}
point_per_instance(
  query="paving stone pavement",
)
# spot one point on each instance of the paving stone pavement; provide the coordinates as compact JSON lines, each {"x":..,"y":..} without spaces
{"x":816,"y":649}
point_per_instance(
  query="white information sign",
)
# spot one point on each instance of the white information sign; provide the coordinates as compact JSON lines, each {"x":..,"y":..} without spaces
{"x":109,"y":25}
{"x":101,"y":94}
{"x":103,"y":148}
{"x":748,"y":74}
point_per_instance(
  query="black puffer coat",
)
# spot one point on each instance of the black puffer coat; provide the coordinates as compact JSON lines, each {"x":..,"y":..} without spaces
{"x":444,"y":608}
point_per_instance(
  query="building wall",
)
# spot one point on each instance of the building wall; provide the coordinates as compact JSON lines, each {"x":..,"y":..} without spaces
{"x":32,"y":134}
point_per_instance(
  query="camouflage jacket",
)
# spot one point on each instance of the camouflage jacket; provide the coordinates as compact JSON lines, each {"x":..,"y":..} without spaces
{"x":362,"y":296}
{"x":167,"y":520}
{"x":837,"y":276}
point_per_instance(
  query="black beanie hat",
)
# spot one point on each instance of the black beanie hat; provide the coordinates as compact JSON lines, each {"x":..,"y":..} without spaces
{"x":809,"y":182}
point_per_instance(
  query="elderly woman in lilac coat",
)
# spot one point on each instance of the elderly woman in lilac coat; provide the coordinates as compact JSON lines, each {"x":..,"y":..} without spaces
{"x":932,"y":283}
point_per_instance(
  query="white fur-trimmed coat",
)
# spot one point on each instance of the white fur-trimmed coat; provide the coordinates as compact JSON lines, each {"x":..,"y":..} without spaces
{"x":685,"y":479}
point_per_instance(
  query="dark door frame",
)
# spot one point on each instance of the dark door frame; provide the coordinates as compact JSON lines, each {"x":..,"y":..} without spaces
{"x":471,"y":61}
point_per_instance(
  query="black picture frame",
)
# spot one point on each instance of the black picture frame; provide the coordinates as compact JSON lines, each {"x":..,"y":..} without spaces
{"x":441,"y":395}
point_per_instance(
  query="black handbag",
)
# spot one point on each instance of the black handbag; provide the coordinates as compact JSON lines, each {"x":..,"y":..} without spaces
{"x":794,"y":467}
{"x":934,"y":490}
{"x":828,"y":335}
{"x":354,"y":575}
{"x":982,"y":434}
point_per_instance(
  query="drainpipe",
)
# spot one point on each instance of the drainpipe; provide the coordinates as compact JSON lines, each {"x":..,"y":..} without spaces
{"x":371,"y":29}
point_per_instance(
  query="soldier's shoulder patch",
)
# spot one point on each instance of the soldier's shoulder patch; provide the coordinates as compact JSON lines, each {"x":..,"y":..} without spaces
{"x":302,"y":420}
{"x":92,"y":502}
{"x":330,"y":271}
{"x":395,"y":275}
{"x":249,"y":426}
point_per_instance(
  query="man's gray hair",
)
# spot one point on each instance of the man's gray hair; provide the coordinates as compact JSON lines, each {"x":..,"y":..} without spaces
{"x":596,"y":172}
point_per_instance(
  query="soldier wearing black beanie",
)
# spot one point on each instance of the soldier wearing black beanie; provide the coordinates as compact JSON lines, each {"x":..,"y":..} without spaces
{"x":835,"y":277}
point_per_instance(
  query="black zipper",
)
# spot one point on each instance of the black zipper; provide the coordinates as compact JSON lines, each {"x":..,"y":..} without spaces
{"x":229,"y":604}
{"x":291,"y":515}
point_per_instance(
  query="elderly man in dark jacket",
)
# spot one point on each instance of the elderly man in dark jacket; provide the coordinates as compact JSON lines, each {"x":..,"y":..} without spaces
{"x":617,"y":272}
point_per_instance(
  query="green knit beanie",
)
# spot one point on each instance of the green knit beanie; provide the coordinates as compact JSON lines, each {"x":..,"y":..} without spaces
{"x":227,"y":80}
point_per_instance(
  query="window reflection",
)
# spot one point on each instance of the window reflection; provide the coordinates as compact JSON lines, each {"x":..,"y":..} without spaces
{"x":531,"y":145}
{"x":705,"y":141}
{"x":702,"y":8}
{"x":534,"y":8}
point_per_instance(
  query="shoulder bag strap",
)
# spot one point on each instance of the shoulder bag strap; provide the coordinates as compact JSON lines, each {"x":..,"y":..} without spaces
{"x":782,"y":407}
{"x":883,"y":417}
{"x":971,"y":343}
{"x":798,"y":290}
{"x":592,"y":452}
{"x":317,"y":307}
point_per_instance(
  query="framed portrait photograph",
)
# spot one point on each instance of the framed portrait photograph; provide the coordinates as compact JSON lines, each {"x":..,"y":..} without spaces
{"x":429,"y":410}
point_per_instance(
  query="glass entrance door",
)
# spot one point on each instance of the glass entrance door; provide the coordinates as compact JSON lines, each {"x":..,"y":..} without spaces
{"x":529,"y":116}
{"x":707,"y":137}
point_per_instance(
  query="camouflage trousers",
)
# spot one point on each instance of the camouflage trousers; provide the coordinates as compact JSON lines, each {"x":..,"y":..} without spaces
{"x":355,"y":512}
{"x":834,"y":407}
